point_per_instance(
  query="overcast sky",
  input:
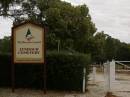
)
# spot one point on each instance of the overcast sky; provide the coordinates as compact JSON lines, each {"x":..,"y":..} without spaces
{"x":111,"y":16}
{"x":5,"y":27}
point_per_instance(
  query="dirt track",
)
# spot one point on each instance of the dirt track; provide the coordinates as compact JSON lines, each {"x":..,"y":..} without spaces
{"x":120,"y":88}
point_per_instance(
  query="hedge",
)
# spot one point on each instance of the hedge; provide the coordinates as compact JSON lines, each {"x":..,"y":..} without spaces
{"x":64,"y":72}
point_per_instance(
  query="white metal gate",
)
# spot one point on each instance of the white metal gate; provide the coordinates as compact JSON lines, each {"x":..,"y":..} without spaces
{"x":112,"y":83}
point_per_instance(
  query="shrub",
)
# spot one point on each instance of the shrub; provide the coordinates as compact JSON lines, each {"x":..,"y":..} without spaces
{"x":64,"y":71}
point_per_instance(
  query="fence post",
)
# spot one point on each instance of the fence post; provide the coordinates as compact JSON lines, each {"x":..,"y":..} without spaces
{"x":84,"y":80}
{"x":94,"y":75}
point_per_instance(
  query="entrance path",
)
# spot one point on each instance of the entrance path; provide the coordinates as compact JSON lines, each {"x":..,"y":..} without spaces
{"x":120,"y":88}
{"x":37,"y":93}
{"x":94,"y":90}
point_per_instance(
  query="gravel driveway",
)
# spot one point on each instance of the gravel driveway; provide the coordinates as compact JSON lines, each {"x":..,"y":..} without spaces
{"x":4,"y":92}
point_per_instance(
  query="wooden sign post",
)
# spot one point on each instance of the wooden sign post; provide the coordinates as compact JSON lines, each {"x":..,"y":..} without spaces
{"x":28,"y":47}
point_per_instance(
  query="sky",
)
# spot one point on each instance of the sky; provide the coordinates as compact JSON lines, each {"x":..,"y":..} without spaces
{"x":5,"y":27}
{"x":110,"y":16}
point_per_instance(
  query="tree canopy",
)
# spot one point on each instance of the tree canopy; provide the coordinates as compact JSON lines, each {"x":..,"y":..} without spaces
{"x":69,"y":28}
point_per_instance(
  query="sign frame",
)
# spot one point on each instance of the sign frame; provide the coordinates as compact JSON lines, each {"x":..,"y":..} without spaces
{"x":43,"y":63}
{"x":14,"y":44}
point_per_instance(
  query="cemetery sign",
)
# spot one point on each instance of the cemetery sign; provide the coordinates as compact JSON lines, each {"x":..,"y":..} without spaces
{"x":28,"y":43}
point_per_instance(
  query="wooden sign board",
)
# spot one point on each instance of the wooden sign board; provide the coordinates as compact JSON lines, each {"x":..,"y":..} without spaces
{"x":28,"y":46}
{"x":28,"y":43}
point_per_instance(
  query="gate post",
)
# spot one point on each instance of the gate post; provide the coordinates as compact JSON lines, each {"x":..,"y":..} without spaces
{"x":107,"y":75}
{"x":112,"y":71}
{"x":111,"y":74}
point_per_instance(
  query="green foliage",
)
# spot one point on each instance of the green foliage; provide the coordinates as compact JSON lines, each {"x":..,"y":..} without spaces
{"x":64,"y":72}
{"x":108,"y":48}
{"x":5,"y":45}
{"x":71,"y":25}
{"x":67,"y":69}
{"x":70,"y":28}
{"x":99,"y":54}
{"x":5,"y":70}
{"x":123,"y":52}
{"x":4,"y":6}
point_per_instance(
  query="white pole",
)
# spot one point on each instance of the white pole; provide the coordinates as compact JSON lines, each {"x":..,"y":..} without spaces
{"x":84,"y":83}
{"x":112,"y":70}
{"x":109,"y":78}
{"x":111,"y":74}
{"x":94,"y":75}
{"x":107,"y":75}
{"x":105,"y":70}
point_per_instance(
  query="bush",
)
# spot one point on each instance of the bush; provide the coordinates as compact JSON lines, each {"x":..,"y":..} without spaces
{"x":64,"y":72}
{"x":5,"y":70}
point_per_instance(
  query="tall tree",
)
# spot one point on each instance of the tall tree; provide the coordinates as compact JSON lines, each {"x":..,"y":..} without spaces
{"x":98,"y":53}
